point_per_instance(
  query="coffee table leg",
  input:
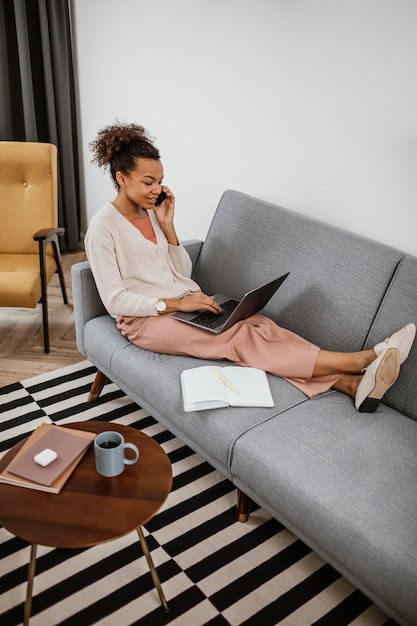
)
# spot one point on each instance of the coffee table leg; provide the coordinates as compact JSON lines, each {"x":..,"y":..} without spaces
{"x":31,"y":575}
{"x":153,"y":571}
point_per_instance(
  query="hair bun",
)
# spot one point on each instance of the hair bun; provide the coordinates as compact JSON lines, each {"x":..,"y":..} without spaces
{"x":119,"y":145}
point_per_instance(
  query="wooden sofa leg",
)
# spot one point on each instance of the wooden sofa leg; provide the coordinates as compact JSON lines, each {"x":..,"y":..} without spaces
{"x":243,"y":506}
{"x":97,"y":386}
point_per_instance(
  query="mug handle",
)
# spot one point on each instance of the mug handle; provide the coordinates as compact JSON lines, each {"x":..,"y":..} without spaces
{"x":131,"y":446}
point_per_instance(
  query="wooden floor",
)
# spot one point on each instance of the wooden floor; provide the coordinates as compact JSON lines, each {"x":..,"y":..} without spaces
{"x":21,"y":337}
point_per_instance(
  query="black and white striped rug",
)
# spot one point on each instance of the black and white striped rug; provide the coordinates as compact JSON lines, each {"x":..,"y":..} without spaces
{"x":213,"y":569}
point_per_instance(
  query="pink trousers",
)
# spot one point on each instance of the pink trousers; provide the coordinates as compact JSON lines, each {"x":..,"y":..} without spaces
{"x":254,"y":342}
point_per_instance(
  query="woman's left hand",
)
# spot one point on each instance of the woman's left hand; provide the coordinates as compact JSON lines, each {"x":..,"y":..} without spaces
{"x":164,"y":213}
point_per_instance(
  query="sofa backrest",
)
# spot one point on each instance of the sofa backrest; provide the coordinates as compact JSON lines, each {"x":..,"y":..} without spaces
{"x":337,"y":279}
{"x":399,"y":307}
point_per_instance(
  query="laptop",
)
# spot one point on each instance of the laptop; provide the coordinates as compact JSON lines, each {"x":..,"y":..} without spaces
{"x":233,"y":310}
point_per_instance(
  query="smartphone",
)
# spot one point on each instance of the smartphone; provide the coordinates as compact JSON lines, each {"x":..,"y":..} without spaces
{"x":162,"y":196}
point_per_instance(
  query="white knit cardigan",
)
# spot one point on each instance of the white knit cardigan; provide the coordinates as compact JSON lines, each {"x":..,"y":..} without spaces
{"x":130,"y":271}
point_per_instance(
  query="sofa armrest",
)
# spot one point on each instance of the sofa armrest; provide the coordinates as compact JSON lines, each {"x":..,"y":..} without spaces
{"x":87,"y":302}
{"x":193,"y":247}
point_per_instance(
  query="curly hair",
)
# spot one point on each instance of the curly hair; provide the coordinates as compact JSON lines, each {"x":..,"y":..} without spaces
{"x":119,"y":145}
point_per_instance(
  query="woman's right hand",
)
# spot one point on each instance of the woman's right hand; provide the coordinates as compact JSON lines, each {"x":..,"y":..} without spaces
{"x":193,"y":302}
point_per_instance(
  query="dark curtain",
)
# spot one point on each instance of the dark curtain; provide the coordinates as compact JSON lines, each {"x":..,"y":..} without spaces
{"x":37,"y":93}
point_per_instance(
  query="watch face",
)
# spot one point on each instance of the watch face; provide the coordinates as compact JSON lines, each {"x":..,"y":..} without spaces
{"x":160,"y":306}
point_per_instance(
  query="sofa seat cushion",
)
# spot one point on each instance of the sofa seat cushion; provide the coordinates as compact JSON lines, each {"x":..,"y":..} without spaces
{"x":347,"y":480}
{"x":153,"y":382}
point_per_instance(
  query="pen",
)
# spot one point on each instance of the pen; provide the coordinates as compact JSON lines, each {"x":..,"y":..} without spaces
{"x":226,"y":382}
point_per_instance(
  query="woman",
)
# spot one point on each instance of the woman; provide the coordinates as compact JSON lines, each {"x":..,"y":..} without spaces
{"x":143,"y":274}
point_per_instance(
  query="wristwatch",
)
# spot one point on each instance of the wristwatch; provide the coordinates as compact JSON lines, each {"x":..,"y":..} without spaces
{"x":160,"y":306}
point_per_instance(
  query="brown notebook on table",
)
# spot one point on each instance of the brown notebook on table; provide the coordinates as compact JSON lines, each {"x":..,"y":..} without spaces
{"x":70,"y":446}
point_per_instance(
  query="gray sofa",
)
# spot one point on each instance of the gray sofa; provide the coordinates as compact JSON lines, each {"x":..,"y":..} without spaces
{"x":342,"y":481}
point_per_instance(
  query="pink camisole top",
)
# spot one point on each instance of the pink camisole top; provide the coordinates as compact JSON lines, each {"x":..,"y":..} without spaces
{"x":146,"y":228}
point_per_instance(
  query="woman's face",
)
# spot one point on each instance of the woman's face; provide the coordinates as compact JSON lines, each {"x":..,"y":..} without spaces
{"x":142,"y":185}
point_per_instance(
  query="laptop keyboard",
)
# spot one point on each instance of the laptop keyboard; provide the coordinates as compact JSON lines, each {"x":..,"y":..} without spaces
{"x":214,"y":320}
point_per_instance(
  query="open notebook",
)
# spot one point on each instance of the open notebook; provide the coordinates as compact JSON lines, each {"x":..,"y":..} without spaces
{"x":212,"y":387}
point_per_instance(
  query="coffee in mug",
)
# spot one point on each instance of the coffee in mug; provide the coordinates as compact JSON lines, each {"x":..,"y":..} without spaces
{"x":108,"y":444}
{"x":109,"y":451}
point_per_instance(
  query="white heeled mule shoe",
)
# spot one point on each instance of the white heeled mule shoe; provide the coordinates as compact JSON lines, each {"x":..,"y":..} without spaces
{"x":403,"y":339}
{"x":379,"y":376}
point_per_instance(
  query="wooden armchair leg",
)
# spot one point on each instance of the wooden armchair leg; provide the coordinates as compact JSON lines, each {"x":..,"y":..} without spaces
{"x":97,"y":386}
{"x":57,"y":256}
{"x":45,"y":323}
{"x":44,"y":297}
{"x":243,"y":506}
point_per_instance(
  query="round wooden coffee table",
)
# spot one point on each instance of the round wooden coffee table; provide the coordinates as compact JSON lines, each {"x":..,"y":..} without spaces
{"x":90,"y":509}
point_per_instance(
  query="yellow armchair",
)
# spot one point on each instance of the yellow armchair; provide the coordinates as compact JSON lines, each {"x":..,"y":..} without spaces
{"x":29,"y":246}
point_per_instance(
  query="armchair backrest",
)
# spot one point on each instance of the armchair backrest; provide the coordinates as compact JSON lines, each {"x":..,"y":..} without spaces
{"x":28,"y":194}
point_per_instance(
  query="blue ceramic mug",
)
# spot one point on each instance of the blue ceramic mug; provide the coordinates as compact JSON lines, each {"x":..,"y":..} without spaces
{"x":109,"y":450}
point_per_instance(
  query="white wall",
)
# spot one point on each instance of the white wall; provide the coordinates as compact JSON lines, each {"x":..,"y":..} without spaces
{"x":311,"y":104}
